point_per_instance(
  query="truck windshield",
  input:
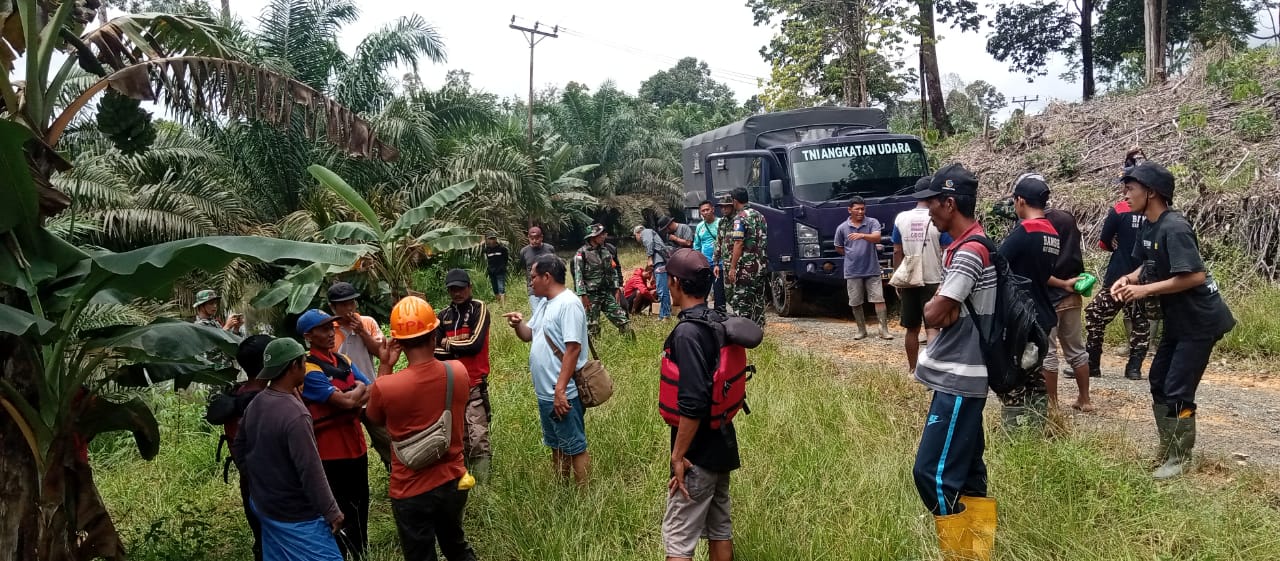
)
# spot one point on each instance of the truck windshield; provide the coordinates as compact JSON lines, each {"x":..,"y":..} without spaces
{"x":868,"y":169}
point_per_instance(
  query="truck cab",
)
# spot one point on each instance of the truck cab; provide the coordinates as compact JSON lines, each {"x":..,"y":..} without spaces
{"x":800,"y":169}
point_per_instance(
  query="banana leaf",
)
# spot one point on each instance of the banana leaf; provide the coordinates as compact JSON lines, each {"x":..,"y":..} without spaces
{"x":102,"y":415}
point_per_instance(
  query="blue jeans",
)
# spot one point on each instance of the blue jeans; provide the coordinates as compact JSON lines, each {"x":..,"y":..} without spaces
{"x":568,"y":434}
{"x":664,"y":293}
{"x":499,"y":283}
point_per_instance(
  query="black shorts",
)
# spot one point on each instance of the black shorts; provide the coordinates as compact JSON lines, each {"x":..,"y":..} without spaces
{"x":913,"y":300}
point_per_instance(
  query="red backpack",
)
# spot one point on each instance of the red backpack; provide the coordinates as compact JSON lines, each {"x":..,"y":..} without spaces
{"x":729,"y":383}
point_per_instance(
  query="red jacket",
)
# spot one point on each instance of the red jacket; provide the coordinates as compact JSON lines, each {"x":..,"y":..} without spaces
{"x":636,"y":284}
{"x":464,"y":337}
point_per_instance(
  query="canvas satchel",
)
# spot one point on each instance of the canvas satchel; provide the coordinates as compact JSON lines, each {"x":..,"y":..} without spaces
{"x":910,"y":272}
{"x":429,"y":445}
{"x":594,"y":384}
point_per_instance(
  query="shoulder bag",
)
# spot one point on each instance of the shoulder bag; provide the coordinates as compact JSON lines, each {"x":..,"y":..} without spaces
{"x":429,"y":445}
{"x":594,"y":384}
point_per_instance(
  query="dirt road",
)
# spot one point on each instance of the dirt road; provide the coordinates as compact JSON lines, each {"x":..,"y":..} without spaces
{"x":1239,"y":402}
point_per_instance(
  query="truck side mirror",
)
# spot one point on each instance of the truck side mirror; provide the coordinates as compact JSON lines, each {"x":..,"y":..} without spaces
{"x":775,"y":189}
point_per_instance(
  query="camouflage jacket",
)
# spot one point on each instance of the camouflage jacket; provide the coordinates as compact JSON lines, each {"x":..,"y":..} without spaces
{"x":596,"y":268}
{"x":749,"y":228}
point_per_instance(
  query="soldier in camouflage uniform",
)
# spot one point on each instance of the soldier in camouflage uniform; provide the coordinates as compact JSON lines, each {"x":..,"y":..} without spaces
{"x":748,"y":266}
{"x":206,"y":307}
{"x":597,"y":279}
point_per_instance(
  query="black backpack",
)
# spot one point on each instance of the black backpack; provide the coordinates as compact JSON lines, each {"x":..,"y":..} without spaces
{"x":225,"y":406}
{"x":1014,"y":326}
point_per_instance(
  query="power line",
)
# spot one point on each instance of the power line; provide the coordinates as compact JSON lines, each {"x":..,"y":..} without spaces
{"x":534,"y":36}
{"x":1024,"y":100}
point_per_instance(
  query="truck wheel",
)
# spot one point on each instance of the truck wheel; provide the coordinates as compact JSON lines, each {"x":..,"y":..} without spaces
{"x":785,"y":294}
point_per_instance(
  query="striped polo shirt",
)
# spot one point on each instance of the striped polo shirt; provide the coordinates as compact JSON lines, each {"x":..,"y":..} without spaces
{"x":952,"y":362}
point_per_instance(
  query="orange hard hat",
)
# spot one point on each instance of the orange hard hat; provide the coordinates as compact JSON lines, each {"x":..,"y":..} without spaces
{"x":412,"y":317}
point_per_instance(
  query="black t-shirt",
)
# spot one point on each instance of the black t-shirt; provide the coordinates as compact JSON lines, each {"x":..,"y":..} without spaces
{"x":1032,"y":250}
{"x":695,"y":351}
{"x":497,"y":258}
{"x":1070,"y":261}
{"x":1169,"y":247}
{"x":1119,"y":234}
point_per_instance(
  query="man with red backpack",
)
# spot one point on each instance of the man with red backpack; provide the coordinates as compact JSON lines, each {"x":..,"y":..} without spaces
{"x":703,"y":385}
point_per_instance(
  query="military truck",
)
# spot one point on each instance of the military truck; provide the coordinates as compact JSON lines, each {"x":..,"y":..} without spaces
{"x":800,"y":168}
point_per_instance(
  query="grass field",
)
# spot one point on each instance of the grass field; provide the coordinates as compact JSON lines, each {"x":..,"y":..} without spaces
{"x":826,"y":454}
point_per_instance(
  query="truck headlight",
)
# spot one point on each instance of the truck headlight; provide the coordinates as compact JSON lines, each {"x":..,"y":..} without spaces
{"x":809,"y":243}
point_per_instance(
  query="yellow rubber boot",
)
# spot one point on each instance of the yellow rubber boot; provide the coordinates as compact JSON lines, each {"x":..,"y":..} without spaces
{"x":982,"y":521}
{"x":955,"y":537}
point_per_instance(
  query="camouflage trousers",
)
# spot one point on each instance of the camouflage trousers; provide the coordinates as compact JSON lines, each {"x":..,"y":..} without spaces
{"x":1104,"y":308}
{"x":478,"y":415}
{"x":606,"y":300}
{"x":748,"y":298}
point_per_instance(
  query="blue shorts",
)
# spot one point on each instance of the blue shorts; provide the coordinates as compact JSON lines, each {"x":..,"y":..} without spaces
{"x":566,"y":434}
{"x":499,"y":283}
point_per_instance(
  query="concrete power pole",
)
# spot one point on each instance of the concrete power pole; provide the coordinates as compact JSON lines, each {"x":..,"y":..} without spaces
{"x":535,"y":36}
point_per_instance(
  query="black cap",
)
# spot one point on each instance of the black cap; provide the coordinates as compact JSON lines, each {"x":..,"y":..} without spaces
{"x":456,"y":278}
{"x":686,"y":264}
{"x":342,"y":292}
{"x":664,"y":222}
{"x":922,"y":184}
{"x":1153,"y":176}
{"x":249,"y":353}
{"x":952,"y":180}
{"x":1031,"y":186}
{"x":740,"y":194}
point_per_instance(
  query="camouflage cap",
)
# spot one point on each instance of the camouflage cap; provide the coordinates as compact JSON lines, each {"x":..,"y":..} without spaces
{"x":204,"y":297}
{"x":596,"y":230}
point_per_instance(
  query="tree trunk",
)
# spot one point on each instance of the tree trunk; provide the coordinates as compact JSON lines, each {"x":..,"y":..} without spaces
{"x":226,"y":10}
{"x":18,"y":535}
{"x":929,"y":69}
{"x":1086,"y":48}
{"x":1155,"y":21}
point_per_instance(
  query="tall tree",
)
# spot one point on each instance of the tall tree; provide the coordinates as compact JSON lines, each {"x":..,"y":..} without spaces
{"x":845,"y":45}
{"x":689,"y":81}
{"x":960,"y":13}
{"x":1026,"y":35}
{"x":1198,"y":23}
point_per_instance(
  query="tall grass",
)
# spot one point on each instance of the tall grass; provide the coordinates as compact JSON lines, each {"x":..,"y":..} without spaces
{"x":826,"y":456}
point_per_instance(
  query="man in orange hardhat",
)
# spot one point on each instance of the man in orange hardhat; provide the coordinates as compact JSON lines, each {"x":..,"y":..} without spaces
{"x":427,"y":502}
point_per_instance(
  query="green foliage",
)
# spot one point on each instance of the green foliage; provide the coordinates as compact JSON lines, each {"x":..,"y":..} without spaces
{"x":1193,"y":116}
{"x":1119,"y":50}
{"x":1254,"y":124}
{"x":689,"y":81}
{"x":1240,"y":75}
{"x":1069,"y":156}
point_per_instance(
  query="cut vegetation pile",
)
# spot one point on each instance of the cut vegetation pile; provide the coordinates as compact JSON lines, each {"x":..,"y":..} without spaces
{"x":1213,"y":127}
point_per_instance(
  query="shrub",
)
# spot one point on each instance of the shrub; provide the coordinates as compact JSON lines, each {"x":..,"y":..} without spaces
{"x":1254,"y":125}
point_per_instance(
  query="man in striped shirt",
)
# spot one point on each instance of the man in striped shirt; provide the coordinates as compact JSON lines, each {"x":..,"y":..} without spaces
{"x":949,"y":472}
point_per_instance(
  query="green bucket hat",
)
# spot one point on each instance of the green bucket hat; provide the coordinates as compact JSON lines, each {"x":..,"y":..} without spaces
{"x":278,"y":354}
{"x":204,"y":297}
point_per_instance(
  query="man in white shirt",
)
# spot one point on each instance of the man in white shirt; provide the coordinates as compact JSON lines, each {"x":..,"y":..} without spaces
{"x":915,"y":234}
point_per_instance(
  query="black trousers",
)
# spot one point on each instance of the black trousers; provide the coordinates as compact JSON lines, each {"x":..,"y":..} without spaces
{"x":349,"y":481}
{"x":255,"y":525}
{"x":717,"y":290}
{"x":949,"y":462}
{"x":434,"y":516}
{"x":1177,"y":369}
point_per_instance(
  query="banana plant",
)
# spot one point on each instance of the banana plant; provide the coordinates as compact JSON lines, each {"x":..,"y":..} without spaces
{"x":55,"y":364}
{"x":397,"y":246}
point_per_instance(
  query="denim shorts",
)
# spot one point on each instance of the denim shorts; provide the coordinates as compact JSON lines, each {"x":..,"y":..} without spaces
{"x":499,"y":283}
{"x":566,"y":434}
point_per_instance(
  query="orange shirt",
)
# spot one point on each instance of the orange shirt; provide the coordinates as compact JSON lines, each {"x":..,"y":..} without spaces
{"x":411,"y":400}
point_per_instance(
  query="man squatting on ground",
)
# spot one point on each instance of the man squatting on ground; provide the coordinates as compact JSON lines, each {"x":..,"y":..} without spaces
{"x":915,"y":234}
{"x":288,"y":490}
{"x":464,"y":326}
{"x":949,"y":472}
{"x":1195,"y":315}
{"x":856,"y":240}
{"x":702,"y":455}
{"x":557,"y":333}
{"x":427,"y":502}
{"x":1120,"y":230}
{"x":335,"y":392}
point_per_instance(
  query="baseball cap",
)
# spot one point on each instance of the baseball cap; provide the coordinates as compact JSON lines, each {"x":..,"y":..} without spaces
{"x":596,"y":230}
{"x":740,"y":194}
{"x":1154,"y":176}
{"x":1032,"y":187}
{"x":342,"y":292}
{"x":456,"y":278}
{"x":204,"y":297}
{"x":311,"y":319}
{"x":686,"y":263}
{"x":249,"y":353}
{"x":952,"y":180}
{"x":277,"y":355}
{"x":922,"y":184}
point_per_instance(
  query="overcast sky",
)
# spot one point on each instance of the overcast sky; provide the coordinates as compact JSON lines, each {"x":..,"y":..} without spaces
{"x":628,"y":42}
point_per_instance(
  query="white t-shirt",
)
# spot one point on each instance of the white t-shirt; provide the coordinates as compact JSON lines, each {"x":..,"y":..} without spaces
{"x":565,"y":320}
{"x":920,"y":237}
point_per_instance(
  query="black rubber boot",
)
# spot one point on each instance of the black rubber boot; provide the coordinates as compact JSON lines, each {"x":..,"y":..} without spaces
{"x":1095,"y":364}
{"x":1164,"y":426}
{"x":1133,"y":370}
{"x":1182,"y":438}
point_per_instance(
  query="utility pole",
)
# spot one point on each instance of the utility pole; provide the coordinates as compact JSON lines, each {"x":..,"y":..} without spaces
{"x":1024,"y":100}
{"x":535,"y":36}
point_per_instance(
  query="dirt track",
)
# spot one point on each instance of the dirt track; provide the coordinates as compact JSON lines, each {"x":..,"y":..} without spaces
{"x":1239,"y":402}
